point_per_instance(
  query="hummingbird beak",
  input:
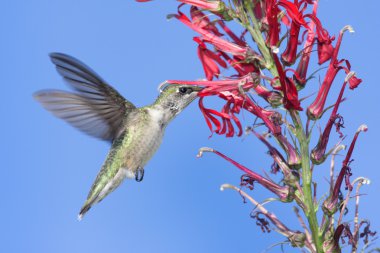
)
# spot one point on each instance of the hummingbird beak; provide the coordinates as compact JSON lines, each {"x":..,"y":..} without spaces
{"x":162,"y":86}
{"x":197,"y":88}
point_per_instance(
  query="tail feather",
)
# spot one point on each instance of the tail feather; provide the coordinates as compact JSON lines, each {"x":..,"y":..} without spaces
{"x":87,"y":206}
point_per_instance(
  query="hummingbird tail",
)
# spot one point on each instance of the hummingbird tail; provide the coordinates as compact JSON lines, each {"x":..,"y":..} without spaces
{"x":84,"y":210}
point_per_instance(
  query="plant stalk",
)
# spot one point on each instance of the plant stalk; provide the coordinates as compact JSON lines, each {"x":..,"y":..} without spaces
{"x":310,"y":209}
{"x":257,"y":36}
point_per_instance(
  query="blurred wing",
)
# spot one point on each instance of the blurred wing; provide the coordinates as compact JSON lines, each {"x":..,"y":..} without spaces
{"x":96,"y":109}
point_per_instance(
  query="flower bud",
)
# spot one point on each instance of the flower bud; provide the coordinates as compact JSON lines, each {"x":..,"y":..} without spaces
{"x":297,"y":239}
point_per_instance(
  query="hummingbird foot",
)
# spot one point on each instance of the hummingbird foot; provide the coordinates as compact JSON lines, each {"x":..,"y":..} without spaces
{"x":139,"y":175}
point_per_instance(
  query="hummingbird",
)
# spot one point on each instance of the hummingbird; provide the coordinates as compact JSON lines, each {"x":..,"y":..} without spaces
{"x":97,"y":109}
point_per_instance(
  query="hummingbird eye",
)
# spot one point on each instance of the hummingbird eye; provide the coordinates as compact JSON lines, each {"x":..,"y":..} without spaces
{"x":185,"y":90}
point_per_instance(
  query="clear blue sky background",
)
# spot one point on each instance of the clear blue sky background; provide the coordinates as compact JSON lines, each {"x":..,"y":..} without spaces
{"x":48,"y":167}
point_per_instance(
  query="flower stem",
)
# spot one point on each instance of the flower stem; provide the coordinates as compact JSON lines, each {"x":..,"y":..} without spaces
{"x":257,"y":36}
{"x":310,"y":209}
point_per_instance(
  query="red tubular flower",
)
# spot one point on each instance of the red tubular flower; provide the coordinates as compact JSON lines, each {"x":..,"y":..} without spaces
{"x":290,"y":178}
{"x":241,"y":68}
{"x":288,"y":57}
{"x":318,"y":155}
{"x":272,"y":12}
{"x":324,"y":47}
{"x":214,"y":6}
{"x":200,"y":19}
{"x":288,"y":87}
{"x":315,"y":110}
{"x":215,"y":87}
{"x":301,"y":72}
{"x":270,"y":118}
{"x":330,"y":204}
{"x":347,"y":160}
{"x":331,"y":243}
{"x":210,"y":37}
{"x":259,"y":10}
{"x":294,"y":12}
{"x":283,"y":192}
{"x":209,"y":60}
{"x":210,"y":118}
{"x":292,"y":154}
{"x":230,"y":33}
{"x":354,"y":82}
{"x":231,"y":108}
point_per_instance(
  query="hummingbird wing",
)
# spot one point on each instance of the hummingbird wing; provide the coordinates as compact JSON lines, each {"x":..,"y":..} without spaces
{"x":95,"y":108}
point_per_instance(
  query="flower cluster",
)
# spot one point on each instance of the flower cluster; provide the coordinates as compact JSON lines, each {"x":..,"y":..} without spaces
{"x":263,"y":69}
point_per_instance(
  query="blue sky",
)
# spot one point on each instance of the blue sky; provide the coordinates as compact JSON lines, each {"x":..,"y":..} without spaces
{"x":48,"y":167}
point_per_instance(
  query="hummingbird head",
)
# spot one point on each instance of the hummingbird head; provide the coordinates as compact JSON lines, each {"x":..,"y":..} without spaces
{"x":174,"y":98}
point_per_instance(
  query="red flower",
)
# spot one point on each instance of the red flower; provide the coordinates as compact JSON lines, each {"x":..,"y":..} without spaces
{"x":259,"y":10}
{"x":200,"y":19}
{"x":318,"y":155}
{"x":283,"y":192}
{"x":288,"y":87}
{"x":212,"y":38}
{"x":330,"y":204}
{"x":272,"y":97}
{"x":241,"y":67}
{"x":272,"y":12}
{"x":301,"y":72}
{"x":209,"y":60}
{"x":236,"y":39}
{"x":289,"y":55}
{"x":325,"y":49}
{"x":354,"y":82}
{"x":292,"y":154}
{"x":289,"y":176}
{"x":270,"y":118}
{"x":214,"y":6}
{"x":295,"y":11}
{"x":315,"y":110}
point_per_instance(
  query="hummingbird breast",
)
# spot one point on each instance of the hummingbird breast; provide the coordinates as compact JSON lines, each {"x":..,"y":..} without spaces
{"x":143,"y":137}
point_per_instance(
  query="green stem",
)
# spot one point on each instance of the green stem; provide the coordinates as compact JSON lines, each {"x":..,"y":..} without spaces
{"x":310,"y":209}
{"x":257,"y":36}
{"x":308,"y":203}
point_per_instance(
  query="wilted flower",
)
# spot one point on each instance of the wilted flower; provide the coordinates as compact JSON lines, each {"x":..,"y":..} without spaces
{"x":330,"y":204}
{"x":283,"y":192}
{"x":318,"y":154}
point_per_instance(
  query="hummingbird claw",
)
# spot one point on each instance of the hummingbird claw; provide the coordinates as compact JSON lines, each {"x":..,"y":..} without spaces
{"x":139,"y":174}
